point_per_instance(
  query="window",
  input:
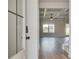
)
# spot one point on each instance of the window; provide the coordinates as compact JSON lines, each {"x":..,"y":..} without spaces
{"x":48,"y":28}
{"x":45,"y":28}
{"x":67,"y":29}
{"x":51,"y":28}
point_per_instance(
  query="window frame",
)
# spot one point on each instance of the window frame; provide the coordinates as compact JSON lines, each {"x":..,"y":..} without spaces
{"x":67,"y":29}
{"x":49,"y":28}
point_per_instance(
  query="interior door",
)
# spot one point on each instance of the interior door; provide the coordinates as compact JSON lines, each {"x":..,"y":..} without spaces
{"x":11,"y":28}
{"x":19,"y":33}
{"x":12,"y":5}
{"x":20,"y":26}
{"x":11,"y":34}
{"x":16,"y":36}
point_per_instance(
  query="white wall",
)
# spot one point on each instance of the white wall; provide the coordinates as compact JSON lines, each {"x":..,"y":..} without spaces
{"x":32,"y":17}
{"x":54,"y":4}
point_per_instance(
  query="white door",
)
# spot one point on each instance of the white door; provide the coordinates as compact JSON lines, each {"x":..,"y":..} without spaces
{"x":11,"y":28}
{"x":16,"y":36}
{"x":19,"y":33}
{"x":11,"y":34}
{"x":20,"y":25}
{"x":32,"y":16}
{"x":12,"y":5}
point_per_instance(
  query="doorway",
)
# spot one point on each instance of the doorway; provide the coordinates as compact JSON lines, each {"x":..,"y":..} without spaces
{"x":54,"y":29}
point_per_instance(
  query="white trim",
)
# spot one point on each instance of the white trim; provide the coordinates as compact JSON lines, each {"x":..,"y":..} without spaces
{"x":23,"y":43}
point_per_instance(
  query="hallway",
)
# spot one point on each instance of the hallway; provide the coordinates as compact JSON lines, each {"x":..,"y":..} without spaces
{"x":52,"y":48}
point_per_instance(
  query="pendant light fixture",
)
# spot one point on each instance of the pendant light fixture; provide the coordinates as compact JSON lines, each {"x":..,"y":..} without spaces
{"x":51,"y":17}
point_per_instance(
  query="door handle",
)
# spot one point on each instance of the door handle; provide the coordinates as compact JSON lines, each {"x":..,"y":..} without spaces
{"x":27,"y":37}
{"x":26,"y":29}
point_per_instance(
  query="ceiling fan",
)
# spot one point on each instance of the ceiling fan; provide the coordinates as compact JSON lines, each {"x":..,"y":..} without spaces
{"x":55,"y":15}
{"x":51,"y":17}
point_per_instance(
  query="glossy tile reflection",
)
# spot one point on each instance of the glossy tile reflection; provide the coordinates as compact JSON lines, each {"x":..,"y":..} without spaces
{"x":52,"y":48}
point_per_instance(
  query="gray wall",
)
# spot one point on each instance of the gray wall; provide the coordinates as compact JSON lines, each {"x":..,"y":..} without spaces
{"x":59,"y":27}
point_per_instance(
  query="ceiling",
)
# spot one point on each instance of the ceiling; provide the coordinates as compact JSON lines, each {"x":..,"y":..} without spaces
{"x":57,"y":13}
{"x":54,"y":0}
